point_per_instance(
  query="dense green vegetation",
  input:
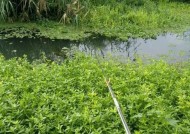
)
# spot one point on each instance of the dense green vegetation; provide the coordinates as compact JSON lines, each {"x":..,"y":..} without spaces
{"x":73,"y":98}
{"x":68,"y":9}
{"x":74,"y":19}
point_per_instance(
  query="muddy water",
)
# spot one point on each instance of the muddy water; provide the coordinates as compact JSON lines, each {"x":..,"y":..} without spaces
{"x":169,"y":46}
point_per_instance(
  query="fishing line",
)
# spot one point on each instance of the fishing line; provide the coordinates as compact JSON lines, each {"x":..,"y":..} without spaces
{"x":127,"y":131}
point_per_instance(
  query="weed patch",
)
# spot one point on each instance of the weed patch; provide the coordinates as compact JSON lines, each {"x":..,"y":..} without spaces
{"x":73,"y":98}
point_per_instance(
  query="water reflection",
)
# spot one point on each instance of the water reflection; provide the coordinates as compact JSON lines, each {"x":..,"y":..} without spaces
{"x":175,"y":47}
{"x":105,"y":47}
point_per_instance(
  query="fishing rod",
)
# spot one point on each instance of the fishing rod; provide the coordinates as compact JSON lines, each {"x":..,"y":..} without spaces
{"x":127,"y":131}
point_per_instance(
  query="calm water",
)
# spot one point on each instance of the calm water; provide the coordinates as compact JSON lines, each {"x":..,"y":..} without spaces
{"x":170,"y":46}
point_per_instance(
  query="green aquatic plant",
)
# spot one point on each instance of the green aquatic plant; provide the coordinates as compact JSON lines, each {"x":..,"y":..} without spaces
{"x":73,"y":98}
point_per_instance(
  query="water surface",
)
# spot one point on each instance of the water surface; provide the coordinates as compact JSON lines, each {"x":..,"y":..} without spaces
{"x":171,"y":46}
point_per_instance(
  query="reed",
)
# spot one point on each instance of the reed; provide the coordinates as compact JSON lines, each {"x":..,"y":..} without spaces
{"x":26,"y":10}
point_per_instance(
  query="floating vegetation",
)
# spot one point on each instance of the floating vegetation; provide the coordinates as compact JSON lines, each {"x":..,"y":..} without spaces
{"x":19,"y":32}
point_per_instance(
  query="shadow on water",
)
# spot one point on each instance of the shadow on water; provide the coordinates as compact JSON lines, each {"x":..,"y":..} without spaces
{"x":171,"y":46}
{"x":32,"y":47}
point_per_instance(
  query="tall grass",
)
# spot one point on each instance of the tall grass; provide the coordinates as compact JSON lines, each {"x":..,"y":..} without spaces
{"x":6,"y":8}
{"x":30,"y":9}
{"x":56,"y":9}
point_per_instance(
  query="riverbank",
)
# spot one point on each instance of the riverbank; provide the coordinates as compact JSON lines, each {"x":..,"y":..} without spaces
{"x":120,"y":22}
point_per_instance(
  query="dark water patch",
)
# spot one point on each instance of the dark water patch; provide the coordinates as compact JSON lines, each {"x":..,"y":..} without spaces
{"x":171,"y":46}
{"x":33,"y":48}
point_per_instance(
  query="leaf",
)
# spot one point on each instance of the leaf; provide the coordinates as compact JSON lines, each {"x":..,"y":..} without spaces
{"x":139,"y":115}
{"x":172,"y":122}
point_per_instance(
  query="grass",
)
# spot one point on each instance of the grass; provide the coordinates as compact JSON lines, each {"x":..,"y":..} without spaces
{"x":73,"y":98}
{"x":121,"y":21}
{"x":144,"y":21}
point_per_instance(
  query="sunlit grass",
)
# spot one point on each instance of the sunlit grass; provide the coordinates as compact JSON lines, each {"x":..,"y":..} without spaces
{"x":73,"y":97}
